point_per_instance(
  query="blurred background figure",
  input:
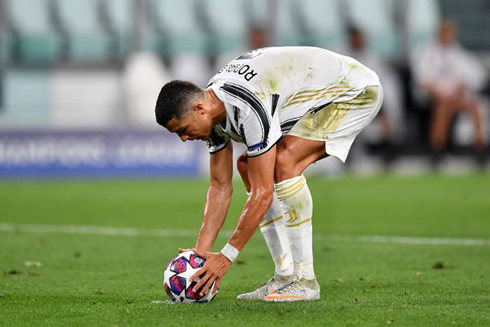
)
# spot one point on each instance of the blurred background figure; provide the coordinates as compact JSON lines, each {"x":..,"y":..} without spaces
{"x":258,"y":37}
{"x":450,"y":76}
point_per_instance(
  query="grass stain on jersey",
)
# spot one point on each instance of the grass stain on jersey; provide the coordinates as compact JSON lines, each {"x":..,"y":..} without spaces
{"x":271,"y":80}
{"x":322,"y":123}
{"x":353,"y":65}
{"x":272,"y":77}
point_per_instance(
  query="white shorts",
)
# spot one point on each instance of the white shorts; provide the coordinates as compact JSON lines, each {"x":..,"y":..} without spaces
{"x":339,"y":123}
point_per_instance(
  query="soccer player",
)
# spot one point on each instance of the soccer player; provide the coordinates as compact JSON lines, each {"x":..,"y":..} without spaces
{"x":291,"y":106}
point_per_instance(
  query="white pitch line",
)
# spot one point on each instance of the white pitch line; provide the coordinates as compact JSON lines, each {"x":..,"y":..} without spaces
{"x":404,"y":240}
{"x":99,"y":230}
{"x":127,"y":231}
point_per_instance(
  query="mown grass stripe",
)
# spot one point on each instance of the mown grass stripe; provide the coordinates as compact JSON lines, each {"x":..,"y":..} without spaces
{"x":128,"y":231}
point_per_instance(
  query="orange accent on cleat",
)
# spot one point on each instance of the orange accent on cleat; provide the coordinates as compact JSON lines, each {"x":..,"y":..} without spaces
{"x":275,"y":297}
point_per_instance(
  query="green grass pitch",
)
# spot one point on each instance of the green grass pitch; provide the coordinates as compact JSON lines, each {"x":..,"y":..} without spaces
{"x":111,"y":280}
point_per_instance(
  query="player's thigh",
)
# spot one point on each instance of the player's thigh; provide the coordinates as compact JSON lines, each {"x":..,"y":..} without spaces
{"x":295,"y":154}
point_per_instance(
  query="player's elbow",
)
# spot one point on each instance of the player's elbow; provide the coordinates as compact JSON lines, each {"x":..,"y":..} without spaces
{"x":224,"y":187}
{"x":262,"y":197}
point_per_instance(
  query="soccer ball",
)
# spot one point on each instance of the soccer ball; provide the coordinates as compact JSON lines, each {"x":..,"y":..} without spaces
{"x":176,"y":279}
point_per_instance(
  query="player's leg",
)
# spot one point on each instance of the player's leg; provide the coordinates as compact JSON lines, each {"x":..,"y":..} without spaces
{"x":272,"y":227}
{"x":472,"y":106}
{"x":441,"y":120}
{"x":294,"y":155}
{"x":275,"y":236}
{"x":329,"y":131}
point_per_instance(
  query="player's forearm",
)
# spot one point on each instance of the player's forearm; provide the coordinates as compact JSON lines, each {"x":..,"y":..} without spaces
{"x":257,"y":205}
{"x":216,"y":207}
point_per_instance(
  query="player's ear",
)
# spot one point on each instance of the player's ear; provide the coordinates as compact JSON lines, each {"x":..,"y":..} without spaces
{"x":199,"y":108}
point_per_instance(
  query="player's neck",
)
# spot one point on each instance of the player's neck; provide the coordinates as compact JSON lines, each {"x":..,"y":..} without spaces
{"x":216,"y":107}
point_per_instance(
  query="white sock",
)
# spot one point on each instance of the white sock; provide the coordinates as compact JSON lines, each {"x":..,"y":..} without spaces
{"x":274,"y":232}
{"x":297,"y":205}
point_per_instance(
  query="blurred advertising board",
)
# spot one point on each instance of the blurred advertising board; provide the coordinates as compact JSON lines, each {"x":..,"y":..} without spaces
{"x":97,"y":153}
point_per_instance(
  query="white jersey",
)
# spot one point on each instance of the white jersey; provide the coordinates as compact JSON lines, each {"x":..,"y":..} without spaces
{"x":266,"y":91}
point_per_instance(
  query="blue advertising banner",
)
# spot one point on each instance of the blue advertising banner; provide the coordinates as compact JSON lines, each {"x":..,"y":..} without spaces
{"x":97,"y":153}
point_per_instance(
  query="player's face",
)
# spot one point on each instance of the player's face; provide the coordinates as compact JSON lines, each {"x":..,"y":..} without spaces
{"x":194,"y":126}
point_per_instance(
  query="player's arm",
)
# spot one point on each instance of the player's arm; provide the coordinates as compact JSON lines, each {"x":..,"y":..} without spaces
{"x":260,"y":173}
{"x":218,"y":197}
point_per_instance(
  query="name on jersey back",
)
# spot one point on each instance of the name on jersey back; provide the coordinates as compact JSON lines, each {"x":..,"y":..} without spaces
{"x":243,"y":70}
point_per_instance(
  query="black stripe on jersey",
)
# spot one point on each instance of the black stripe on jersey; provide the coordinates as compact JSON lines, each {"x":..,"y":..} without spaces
{"x":233,"y":130}
{"x":217,"y":140}
{"x":275,"y":100}
{"x":242,"y":134}
{"x":220,"y":148}
{"x":287,"y":125}
{"x":253,"y":102}
{"x":236,"y":117}
{"x":236,"y":114}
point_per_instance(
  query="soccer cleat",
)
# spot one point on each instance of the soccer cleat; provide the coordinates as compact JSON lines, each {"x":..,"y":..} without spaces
{"x":271,"y":285}
{"x":299,"y":290}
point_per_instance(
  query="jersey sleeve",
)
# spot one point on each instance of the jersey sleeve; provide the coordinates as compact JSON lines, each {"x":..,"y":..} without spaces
{"x":218,"y":140}
{"x":260,"y":133}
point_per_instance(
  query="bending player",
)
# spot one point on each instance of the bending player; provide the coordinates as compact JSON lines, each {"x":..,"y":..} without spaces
{"x":291,"y":106}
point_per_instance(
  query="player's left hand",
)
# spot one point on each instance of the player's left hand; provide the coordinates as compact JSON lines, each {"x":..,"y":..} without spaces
{"x":214,"y":269}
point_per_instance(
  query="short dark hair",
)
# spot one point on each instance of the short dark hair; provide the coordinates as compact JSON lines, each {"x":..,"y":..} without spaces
{"x":174,"y":100}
